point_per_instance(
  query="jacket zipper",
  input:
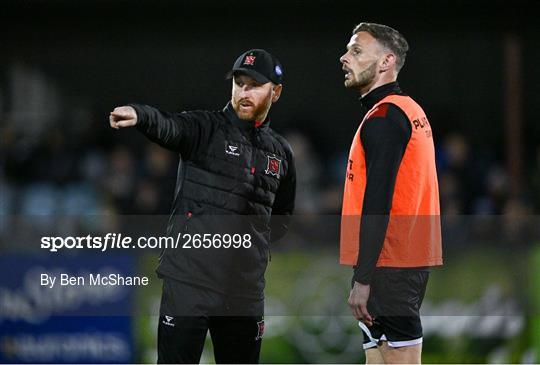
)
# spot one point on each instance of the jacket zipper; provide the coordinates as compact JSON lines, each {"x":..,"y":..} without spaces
{"x":253,"y":150}
{"x":189,"y":214}
{"x":254,"y":142}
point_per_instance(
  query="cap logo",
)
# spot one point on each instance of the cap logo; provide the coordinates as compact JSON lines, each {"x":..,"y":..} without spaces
{"x":278,"y":70}
{"x":250,"y":60}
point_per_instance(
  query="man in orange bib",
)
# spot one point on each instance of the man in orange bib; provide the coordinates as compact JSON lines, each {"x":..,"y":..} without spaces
{"x":390,"y":229}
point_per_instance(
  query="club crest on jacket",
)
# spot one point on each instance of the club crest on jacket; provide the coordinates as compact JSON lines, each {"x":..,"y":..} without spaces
{"x":273,"y":166}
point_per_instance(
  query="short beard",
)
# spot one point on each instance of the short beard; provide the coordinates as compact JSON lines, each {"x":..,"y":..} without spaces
{"x":364,"y":78}
{"x":258,"y":111}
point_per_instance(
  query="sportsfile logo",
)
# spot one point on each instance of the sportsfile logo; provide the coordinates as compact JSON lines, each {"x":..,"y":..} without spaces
{"x":232,"y":150}
{"x":168,"y":321}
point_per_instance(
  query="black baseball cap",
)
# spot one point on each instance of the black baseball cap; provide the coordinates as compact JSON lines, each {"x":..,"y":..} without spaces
{"x":260,"y":65}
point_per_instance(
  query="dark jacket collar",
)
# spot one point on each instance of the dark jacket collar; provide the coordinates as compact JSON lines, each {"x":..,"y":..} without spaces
{"x":243,"y":124}
{"x":376,"y":95}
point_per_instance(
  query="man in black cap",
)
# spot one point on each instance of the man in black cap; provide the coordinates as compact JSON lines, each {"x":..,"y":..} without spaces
{"x":234,"y":193}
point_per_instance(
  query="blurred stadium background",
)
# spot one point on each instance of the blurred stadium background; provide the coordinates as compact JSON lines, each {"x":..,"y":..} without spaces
{"x":64,"y":65}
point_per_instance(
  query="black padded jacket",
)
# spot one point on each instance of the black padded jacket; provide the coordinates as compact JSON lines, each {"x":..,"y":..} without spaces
{"x":236,"y":182}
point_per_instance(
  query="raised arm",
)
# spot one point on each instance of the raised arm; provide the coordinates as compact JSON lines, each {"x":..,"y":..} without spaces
{"x":179,"y":132}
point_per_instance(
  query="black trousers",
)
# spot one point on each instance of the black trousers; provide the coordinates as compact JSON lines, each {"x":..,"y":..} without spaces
{"x":188,"y":313}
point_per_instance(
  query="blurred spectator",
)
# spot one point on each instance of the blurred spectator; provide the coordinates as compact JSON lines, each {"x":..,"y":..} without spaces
{"x":159,"y":171}
{"x":308,"y":174}
{"x":450,"y":194}
{"x":494,"y":198}
{"x":146,"y":199}
{"x":120,"y":179}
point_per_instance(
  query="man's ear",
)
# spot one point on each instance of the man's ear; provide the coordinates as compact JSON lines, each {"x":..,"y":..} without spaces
{"x":276,"y":92}
{"x":388,"y":61}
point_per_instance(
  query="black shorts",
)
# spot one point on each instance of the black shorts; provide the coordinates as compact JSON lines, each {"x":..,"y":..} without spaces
{"x":394,"y":303}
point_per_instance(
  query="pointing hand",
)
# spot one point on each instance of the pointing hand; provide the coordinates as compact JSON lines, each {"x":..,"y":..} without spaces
{"x":123,"y":116}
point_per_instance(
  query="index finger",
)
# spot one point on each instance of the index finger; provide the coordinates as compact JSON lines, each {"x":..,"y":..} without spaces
{"x":120,"y":111}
